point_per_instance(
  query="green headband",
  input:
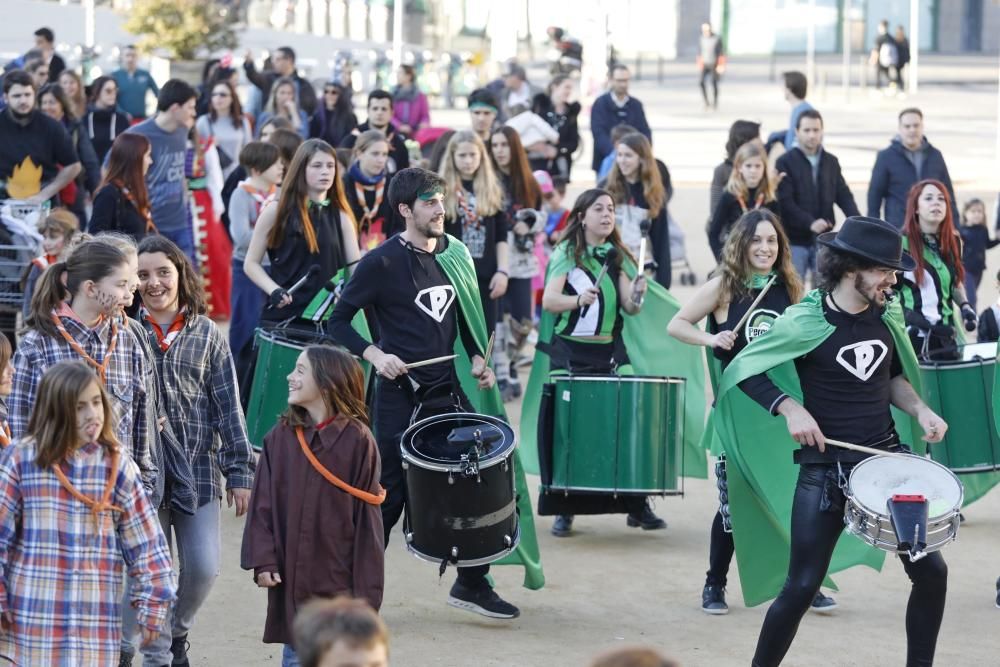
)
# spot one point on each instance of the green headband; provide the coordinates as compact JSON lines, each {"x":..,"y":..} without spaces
{"x":430,"y":194}
{"x":482,"y":105}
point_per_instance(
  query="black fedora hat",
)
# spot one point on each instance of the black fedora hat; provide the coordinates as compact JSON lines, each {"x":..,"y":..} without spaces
{"x":872,"y":239}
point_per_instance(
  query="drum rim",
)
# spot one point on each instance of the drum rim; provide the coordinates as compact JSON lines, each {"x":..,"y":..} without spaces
{"x":958,"y":365}
{"x":410,"y":457}
{"x":279,"y":335}
{"x":638,"y":379}
{"x":612,"y":492}
{"x":851,"y":497}
{"x":515,"y":541}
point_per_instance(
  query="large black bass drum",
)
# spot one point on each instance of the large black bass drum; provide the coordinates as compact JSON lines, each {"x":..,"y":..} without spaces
{"x":460,"y":501}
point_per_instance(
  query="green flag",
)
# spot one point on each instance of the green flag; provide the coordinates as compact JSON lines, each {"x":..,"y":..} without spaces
{"x":651,"y":352}
{"x":456,"y":262}
{"x":760,"y":470}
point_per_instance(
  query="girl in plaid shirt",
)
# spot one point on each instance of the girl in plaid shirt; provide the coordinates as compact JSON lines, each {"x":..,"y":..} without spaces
{"x":198,"y":391}
{"x":74,"y":316}
{"x":73,"y":518}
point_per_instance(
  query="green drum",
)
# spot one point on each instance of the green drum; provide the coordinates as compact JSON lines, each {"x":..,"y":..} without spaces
{"x":961,"y":392}
{"x":618,"y":434}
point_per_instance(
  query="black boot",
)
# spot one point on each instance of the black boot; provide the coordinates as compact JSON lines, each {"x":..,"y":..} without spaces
{"x":645,"y":519}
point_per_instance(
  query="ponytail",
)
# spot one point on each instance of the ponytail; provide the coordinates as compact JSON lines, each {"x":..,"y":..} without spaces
{"x":50,"y":292}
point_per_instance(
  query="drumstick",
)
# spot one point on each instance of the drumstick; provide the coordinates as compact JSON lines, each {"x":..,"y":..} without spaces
{"x":489,"y":349}
{"x":866,"y":450}
{"x":743,"y":320}
{"x":428,"y":362}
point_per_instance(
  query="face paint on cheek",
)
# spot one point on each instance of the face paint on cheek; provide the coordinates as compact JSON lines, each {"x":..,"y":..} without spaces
{"x":108,"y":302}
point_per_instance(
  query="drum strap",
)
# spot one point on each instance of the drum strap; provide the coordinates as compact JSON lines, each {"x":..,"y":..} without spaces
{"x":370,"y":498}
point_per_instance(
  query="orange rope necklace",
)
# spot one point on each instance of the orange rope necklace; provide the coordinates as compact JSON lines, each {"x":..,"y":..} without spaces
{"x":4,"y":434}
{"x":96,"y":508}
{"x":101,"y":368}
{"x":369,"y":498}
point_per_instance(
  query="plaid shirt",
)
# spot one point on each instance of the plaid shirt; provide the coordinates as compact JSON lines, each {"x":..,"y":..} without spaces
{"x":125,"y":383}
{"x":62,"y":579}
{"x":199,"y":391}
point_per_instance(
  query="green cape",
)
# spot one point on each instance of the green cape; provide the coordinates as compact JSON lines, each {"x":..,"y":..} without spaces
{"x":761,"y":485}
{"x":651,"y":352}
{"x":456,"y":262}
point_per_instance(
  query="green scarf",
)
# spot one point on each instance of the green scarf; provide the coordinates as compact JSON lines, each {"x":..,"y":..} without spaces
{"x":456,"y":262}
{"x":652,"y":352}
{"x":760,"y":471}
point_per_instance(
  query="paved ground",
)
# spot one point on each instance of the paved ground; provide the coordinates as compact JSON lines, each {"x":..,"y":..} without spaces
{"x":613,"y":585}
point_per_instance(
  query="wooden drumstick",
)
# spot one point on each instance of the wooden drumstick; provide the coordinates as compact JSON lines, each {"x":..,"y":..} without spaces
{"x":743,"y":320}
{"x":866,"y":450}
{"x":428,"y":362}
{"x":489,"y":349}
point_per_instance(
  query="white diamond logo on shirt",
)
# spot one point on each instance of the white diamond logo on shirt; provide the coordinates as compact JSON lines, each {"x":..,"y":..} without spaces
{"x":866,"y":357}
{"x":435,"y":301}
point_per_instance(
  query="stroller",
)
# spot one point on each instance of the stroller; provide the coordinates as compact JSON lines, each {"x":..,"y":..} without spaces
{"x":678,"y":253}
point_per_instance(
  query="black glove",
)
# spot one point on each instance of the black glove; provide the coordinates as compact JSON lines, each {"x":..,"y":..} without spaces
{"x":968,"y":317}
{"x":943,"y":331}
{"x":274,"y":300}
{"x":915,"y":320}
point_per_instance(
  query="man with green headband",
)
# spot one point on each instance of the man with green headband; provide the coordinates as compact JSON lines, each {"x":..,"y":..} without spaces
{"x":483,"y":110}
{"x":421,"y":287}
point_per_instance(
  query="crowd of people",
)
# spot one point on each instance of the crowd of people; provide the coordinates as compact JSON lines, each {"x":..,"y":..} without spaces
{"x":394,"y":241}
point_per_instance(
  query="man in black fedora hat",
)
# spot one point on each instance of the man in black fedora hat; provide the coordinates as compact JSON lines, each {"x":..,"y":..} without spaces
{"x":847,"y":345}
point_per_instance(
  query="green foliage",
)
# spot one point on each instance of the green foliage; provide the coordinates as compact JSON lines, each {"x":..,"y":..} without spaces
{"x":181,"y":27}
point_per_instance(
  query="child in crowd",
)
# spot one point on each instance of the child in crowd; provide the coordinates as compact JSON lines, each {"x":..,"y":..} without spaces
{"x":200,"y":397}
{"x":68,"y":488}
{"x":988,"y":330}
{"x":975,"y":242}
{"x":262,"y":161}
{"x":315,"y":527}
{"x":617,"y":132}
{"x":750,"y":187}
{"x":6,"y":384}
{"x":341,"y":632}
{"x":57,"y":229}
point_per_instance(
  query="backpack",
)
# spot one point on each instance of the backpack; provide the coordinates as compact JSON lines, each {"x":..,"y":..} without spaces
{"x":888,"y":54}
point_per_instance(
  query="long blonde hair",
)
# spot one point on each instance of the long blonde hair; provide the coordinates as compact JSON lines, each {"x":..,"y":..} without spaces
{"x":649,"y":175}
{"x":485,"y":184}
{"x":737,"y":187}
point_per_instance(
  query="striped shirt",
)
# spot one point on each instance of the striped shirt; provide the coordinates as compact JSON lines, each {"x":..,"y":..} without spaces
{"x":199,"y":391}
{"x":125,"y":382}
{"x":61,"y":579}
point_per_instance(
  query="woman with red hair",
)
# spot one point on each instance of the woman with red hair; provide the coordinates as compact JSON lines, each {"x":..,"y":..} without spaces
{"x":934,"y":289}
{"x":122,"y":201}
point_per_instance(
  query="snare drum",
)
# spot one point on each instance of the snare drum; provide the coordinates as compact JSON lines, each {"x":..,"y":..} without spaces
{"x":876,"y":480}
{"x":460,"y":501}
{"x":961,"y":392}
{"x":617,"y":434}
{"x":277,"y":352}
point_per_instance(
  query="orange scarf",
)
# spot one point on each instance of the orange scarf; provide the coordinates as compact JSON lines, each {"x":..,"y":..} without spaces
{"x":369,"y":213}
{"x":369,"y":498}
{"x":96,"y":507}
{"x":101,"y":368}
{"x":4,"y":434}
{"x":166,"y":339}
{"x":757,"y":203}
{"x":144,"y":212}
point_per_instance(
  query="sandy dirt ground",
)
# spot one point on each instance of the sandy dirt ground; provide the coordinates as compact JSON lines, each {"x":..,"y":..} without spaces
{"x":611,"y":585}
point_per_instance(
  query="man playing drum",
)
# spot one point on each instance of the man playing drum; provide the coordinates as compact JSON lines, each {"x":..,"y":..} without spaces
{"x":420,"y":311}
{"x":850,"y":350}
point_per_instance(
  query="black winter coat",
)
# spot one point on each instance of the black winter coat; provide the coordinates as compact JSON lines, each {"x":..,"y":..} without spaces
{"x":803,"y":201}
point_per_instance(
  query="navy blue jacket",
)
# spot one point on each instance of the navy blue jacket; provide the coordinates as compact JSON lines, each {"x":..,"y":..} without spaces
{"x":803,"y":202}
{"x":894,"y":174}
{"x":605,"y":114}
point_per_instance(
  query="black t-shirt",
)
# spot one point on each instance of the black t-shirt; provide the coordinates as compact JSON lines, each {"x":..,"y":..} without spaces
{"x":771,"y":306}
{"x":480,"y":236}
{"x":42,"y":143}
{"x":414,"y":303}
{"x":845,"y":382}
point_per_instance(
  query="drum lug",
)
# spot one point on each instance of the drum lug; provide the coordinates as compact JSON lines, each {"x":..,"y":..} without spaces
{"x":451,"y":479}
{"x":409,"y":537}
{"x":406,"y":465}
{"x":507,"y":541}
{"x":454,"y":553}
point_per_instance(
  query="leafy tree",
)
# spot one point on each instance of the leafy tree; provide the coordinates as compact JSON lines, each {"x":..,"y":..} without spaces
{"x":182,"y":27}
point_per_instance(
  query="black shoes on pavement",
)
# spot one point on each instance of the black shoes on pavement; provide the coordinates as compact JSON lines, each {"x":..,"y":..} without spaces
{"x":483,"y":601}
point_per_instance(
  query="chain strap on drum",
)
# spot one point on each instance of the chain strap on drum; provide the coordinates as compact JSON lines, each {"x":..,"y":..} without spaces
{"x":722,"y":483}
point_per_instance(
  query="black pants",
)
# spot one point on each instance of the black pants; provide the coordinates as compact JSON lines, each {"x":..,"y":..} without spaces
{"x":720,"y":554}
{"x":814,"y":535}
{"x":391,"y":409}
{"x":706,"y":72}
{"x":491,"y":308}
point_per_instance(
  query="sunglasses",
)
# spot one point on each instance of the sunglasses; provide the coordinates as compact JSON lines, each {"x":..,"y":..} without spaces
{"x":331,"y":92}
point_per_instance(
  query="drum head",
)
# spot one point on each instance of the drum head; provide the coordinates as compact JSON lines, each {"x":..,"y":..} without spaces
{"x":426,"y":442}
{"x":875,"y":480}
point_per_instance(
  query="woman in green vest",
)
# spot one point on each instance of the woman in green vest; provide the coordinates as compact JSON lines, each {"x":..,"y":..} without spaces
{"x":934,"y":290}
{"x":589,"y":303}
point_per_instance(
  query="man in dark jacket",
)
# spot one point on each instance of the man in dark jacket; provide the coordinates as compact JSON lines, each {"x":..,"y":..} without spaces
{"x":614,"y":108}
{"x":380,"y":118}
{"x":283,"y":63}
{"x":908,"y":159}
{"x":813,"y":183}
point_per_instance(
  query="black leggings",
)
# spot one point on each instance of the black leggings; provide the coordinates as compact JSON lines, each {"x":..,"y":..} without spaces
{"x":814,"y":535}
{"x":720,"y":554}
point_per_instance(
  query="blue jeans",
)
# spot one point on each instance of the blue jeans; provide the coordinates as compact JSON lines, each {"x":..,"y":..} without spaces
{"x":288,"y":657}
{"x":804,"y":259}
{"x":184,"y":238}
{"x":247,"y":304}
{"x":199,"y":543}
{"x":972,"y":280}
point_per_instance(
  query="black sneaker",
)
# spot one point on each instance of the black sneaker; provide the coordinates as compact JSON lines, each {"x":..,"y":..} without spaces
{"x":125,"y":659}
{"x":180,"y":647}
{"x":483,"y":601}
{"x":646,"y":519}
{"x":563,"y":525}
{"x":713,"y":600}
{"x":823,"y":604}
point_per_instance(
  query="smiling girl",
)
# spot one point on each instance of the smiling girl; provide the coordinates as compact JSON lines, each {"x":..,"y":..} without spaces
{"x":67,"y":489}
{"x":314,"y":528}
{"x":74,"y":316}
{"x":749,"y":188}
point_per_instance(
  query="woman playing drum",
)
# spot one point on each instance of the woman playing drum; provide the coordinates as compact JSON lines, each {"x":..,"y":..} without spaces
{"x":587,"y":336}
{"x":756,"y":250}
{"x":932,"y":290}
